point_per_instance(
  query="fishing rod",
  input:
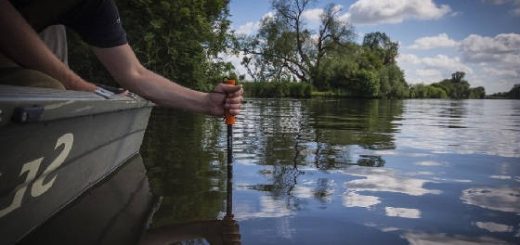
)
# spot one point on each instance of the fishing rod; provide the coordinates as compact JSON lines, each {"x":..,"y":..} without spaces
{"x":230,"y":120}
{"x":231,"y":233}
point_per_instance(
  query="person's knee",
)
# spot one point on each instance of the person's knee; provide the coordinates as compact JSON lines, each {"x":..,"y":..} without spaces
{"x":29,"y":78}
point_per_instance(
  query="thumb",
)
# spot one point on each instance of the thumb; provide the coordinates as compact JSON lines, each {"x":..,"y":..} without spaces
{"x":228,"y":88}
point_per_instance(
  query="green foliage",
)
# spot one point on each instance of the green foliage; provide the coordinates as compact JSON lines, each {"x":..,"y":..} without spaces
{"x":178,"y":39}
{"x":392,"y":83}
{"x":379,"y":43}
{"x":427,"y":91}
{"x":514,"y":93}
{"x":363,"y":83}
{"x":477,"y":93}
{"x":354,"y":71}
{"x":454,"y":88}
{"x":277,"y":89}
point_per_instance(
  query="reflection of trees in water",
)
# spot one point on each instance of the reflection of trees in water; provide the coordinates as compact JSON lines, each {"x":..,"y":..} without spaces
{"x":180,"y":151}
{"x":322,"y":134}
{"x":370,"y":124}
{"x":454,"y":113}
{"x":323,"y":190}
{"x":370,"y":161}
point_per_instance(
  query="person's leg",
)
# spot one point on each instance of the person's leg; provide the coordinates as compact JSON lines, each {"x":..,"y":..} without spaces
{"x":12,"y":74}
{"x":55,"y":37}
{"x":19,"y":76}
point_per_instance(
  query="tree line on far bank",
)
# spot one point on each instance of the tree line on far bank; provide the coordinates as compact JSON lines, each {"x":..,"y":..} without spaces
{"x":514,"y":93}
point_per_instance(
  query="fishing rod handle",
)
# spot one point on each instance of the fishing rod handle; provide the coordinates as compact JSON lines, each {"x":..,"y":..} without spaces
{"x":230,"y":119}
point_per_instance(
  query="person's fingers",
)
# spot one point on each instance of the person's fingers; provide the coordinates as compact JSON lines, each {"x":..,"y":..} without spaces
{"x":229,"y":89}
{"x":239,"y":93}
{"x":234,"y":112}
{"x":234,"y":100}
{"x":233,"y":106}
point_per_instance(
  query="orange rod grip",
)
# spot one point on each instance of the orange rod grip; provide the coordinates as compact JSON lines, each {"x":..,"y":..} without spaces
{"x":230,"y":119}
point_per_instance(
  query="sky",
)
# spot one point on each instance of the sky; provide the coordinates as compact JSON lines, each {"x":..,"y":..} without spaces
{"x":436,"y":37}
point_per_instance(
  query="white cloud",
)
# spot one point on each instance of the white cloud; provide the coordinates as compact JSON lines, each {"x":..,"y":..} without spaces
{"x":503,"y":47}
{"x":497,"y":58}
{"x":408,"y":58}
{"x":313,"y":15}
{"x":269,"y":14}
{"x":440,"y":41}
{"x":248,"y":28}
{"x":430,"y":69}
{"x":428,"y":75}
{"x":429,"y":65}
{"x":382,"y":11}
{"x":497,"y":72}
{"x":252,"y":27}
{"x":444,"y":62}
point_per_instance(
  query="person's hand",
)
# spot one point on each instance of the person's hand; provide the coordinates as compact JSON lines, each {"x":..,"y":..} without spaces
{"x":78,"y":84}
{"x":225,"y":97}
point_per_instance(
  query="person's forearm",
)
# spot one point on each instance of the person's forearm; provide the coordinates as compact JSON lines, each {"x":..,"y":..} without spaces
{"x":21,"y":43}
{"x":126,"y":69}
{"x":166,"y":93}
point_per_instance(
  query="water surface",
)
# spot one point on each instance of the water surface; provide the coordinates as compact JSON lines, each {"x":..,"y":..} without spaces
{"x":335,"y":171}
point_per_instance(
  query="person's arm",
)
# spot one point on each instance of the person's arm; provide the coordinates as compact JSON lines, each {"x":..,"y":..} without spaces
{"x":126,"y":69}
{"x":22,"y":44}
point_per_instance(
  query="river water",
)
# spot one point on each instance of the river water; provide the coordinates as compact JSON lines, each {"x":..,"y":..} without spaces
{"x":337,"y":171}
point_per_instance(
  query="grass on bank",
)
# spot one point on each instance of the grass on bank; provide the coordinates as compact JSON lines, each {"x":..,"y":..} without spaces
{"x":277,"y":89}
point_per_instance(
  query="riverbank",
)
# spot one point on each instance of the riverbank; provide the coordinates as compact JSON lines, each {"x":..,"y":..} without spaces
{"x":287,"y":89}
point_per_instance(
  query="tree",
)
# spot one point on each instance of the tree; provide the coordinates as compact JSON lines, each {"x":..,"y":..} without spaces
{"x":382,"y":46}
{"x":477,"y":93}
{"x":514,"y":93}
{"x":392,"y":83}
{"x":458,"y":76}
{"x":285,"y":47}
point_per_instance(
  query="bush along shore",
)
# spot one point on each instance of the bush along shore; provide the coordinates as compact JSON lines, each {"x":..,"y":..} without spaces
{"x":454,"y":88}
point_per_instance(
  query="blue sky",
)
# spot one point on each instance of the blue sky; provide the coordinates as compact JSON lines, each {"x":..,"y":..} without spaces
{"x":436,"y":38}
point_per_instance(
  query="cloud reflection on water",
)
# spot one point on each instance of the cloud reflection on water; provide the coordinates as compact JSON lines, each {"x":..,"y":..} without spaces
{"x":268,"y":207}
{"x":419,"y":238}
{"x":494,"y":227}
{"x":503,"y":199}
{"x":410,"y":213}
{"x":387,"y":180}
{"x":353,"y":199}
